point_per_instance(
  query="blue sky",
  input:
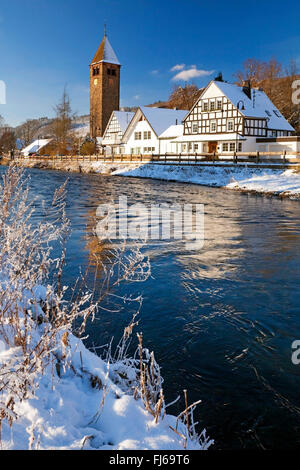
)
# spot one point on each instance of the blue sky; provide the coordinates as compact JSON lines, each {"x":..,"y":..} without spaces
{"x":47,"y":44}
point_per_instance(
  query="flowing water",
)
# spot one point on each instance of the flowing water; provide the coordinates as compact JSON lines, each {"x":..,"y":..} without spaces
{"x":221,"y":319}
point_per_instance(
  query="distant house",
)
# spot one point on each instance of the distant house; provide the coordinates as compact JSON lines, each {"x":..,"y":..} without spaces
{"x":114,"y":132}
{"x":142,"y":136}
{"x":35,"y":147}
{"x":228,"y":118}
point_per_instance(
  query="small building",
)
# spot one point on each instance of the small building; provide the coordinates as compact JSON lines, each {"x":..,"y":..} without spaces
{"x":228,"y":118}
{"x":167,"y":143}
{"x":35,"y":147}
{"x":143,"y":133}
{"x":114,"y":132}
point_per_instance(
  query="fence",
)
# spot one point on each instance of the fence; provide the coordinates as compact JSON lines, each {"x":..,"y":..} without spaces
{"x":178,"y":159}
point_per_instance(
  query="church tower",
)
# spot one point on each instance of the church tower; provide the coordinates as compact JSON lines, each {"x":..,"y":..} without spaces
{"x":104,"y":87}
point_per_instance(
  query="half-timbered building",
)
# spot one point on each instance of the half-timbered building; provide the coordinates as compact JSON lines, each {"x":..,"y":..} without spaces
{"x":228,"y":118}
{"x":114,"y":132}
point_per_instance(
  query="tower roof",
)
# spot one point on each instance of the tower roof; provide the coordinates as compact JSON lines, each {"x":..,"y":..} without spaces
{"x":105,"y":53}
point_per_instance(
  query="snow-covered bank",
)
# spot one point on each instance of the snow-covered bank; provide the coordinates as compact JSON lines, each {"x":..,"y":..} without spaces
{"x":265,"y":180}
{"x":273,"y":181}
{"x":67,"y":412}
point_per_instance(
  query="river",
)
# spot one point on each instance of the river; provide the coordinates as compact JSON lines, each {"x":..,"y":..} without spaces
{"x":221,"y":319}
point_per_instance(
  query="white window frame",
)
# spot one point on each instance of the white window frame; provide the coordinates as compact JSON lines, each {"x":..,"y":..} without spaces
{"x":230,"y":121}
{"x":210,"y":127}
{"x":195,"y":127}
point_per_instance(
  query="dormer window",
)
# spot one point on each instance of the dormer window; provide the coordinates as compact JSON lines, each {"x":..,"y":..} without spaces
{"x":268,"y":113}
{"x":276,"y":113}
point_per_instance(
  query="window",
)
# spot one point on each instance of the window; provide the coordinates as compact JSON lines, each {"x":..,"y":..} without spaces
{"x":274,"y":134}
{"x":212,"y":105}
{"x":230,"y":125}
{"x":219,"y":104}
{"x":268,"y":113}
{"x":196,"y":148}
{"x":147,"y":135}
{"x":277,"y":113}
{"x":108,"y":71}
{"x":205,"y":106}
{"x":195,"y":127}
{"x":137,"y":136}
{"x":225,"y":147}
{"x":149,"y":149}
{"x":240,"y":146}
{"x":232,"y":146}
{"x":213,"y":126}
{"x":113,"y":72}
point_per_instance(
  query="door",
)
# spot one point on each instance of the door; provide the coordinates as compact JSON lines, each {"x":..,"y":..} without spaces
{"x":212,"y":147}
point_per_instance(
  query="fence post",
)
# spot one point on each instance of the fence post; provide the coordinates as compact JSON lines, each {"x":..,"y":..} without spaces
{"x":257,"y":157}
{"x":214,"y":155}
{"x":284,"y":156}
{"x":180,"y":157}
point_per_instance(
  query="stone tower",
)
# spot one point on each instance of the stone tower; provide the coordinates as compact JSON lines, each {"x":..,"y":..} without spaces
{"x":104,"y":87}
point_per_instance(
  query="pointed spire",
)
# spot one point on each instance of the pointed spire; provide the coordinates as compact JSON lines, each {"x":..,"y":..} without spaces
{"x":105,"y":52}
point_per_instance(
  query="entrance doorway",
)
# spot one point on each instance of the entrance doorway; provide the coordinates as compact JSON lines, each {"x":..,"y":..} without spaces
{"x":212,"y":147}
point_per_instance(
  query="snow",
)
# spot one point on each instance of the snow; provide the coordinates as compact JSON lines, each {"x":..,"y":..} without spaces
{"x":172,"y":132}
{"x":109,"y":54}
{"x":241,"y":177}
{"x":161,"y":119}
{"x":66,"y":412}
{"x":124,"y":118}
{"x":106,"y":53}
{"x":261,"y":104}
{"x":35,"y":146}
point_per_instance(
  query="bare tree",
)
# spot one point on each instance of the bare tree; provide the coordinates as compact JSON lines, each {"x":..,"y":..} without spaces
{"x":27,"y":131}
{"x":184,"y":97}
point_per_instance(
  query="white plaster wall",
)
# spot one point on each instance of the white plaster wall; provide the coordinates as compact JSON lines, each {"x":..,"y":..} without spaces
{"x":142,"y":126}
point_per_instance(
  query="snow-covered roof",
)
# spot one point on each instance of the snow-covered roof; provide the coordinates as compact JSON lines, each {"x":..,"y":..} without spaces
{"x":105,"y":53}
{"x":124,"y":118}
{"x":172,"y":132}
{"x":160,"y":118}
{"x":35,"y":146}
{"x":260,"y":106}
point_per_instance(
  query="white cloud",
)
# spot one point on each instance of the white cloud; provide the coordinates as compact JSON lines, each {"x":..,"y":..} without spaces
{"x":177,"y":67}
{"x":193,"y":72}
{"x":136,"y":97}
{"x":154,"y":72}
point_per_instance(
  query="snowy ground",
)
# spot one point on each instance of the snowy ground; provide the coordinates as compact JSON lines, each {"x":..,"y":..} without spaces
{"x":279,"y":182}
{"x":63,"y":414}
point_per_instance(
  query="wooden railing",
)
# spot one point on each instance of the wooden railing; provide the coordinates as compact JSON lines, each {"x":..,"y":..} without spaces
{"x":181,"y":158}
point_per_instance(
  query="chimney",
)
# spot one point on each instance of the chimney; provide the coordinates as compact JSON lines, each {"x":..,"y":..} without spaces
{"x":219,"y":77}
{"x":247,"y":88}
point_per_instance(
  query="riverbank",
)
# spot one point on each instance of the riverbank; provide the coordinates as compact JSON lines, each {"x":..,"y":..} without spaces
{"x":242,"y":177}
